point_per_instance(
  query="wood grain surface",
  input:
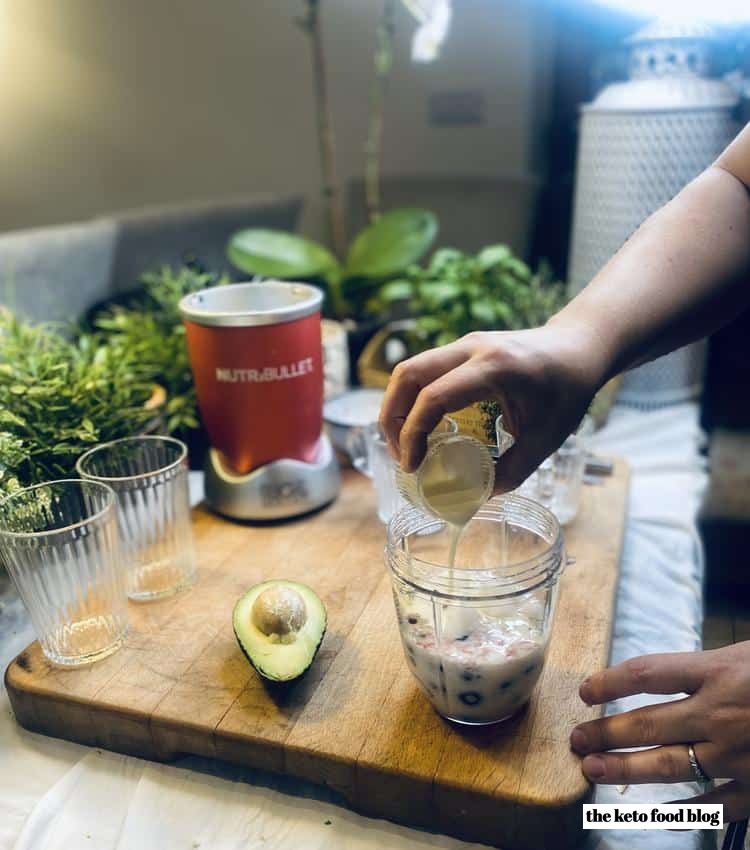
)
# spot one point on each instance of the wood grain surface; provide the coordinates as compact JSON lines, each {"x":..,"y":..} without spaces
{"x":356,"y":721}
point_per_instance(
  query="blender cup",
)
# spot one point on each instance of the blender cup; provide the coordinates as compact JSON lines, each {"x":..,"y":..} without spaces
{"x":475,"y":636}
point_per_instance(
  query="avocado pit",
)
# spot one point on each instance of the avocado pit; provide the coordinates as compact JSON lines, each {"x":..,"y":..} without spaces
{"x":279,"y":611}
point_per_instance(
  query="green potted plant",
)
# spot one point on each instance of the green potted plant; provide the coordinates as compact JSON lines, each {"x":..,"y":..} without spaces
{"x":147,"y":331}
{"x":60,"y":396}
{"x":457,"y":293}
{"x":383,"y":250}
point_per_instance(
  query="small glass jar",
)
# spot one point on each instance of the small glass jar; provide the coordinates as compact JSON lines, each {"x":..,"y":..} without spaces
{"x":475,"y":636}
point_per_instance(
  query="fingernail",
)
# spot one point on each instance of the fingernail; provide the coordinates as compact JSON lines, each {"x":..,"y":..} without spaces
{"x":585,"y":691}
{"x":594,"y":768}
{"x":579,"y":741}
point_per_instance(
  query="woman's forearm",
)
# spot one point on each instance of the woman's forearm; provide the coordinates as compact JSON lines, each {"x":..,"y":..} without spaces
{"x":684,"y":273}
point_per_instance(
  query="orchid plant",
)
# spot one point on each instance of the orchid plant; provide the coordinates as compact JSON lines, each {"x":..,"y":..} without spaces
{"x":352,"y":272}
{"x":433,"y":18}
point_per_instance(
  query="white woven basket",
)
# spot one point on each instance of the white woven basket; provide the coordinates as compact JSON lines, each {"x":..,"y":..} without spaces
{"x":641,"y":141}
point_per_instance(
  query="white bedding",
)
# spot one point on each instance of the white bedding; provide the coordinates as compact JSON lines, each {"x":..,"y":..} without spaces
{"x":659,"y":607}
{"x":60,"y":796}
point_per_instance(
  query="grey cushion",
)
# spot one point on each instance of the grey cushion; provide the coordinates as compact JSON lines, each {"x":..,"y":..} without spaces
{"x":168,"y":235}
{"x":56,"y":273}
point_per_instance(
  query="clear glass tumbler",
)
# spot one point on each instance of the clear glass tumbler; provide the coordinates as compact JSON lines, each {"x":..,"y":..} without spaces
{"x":60,"y":544}
{"x":475,"y":636}
{"x":558,"y":483}
{"x":368,"y":450}
{"x":150,"y":478}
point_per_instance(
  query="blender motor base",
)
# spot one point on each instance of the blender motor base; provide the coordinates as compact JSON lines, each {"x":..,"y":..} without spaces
{"x":282,"y":488}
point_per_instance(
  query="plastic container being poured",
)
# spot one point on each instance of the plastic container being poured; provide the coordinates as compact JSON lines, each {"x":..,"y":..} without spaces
{"x":457,"y":474}
{"x":456,"y":477}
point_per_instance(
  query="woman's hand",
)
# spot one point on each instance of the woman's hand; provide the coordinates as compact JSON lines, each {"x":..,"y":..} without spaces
{"x":543,"y":380}
{"x":714,"y":718}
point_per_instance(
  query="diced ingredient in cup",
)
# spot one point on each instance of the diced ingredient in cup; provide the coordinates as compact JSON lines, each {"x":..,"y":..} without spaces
{"x":279,"y":626}
{"x":484,"y":665}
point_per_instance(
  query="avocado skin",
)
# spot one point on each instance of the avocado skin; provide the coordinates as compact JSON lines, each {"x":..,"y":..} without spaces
{"x":267,"y":675}
{"x":276,"y":679}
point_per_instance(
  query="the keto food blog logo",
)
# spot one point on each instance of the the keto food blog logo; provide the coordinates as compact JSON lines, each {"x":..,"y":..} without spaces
{"x":268,"y":373}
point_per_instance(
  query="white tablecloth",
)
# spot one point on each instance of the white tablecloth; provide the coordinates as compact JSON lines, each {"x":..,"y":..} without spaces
{"x":60,"y":796}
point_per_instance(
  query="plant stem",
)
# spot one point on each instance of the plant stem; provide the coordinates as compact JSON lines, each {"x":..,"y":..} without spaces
{"x":331,"y":186}
{"x":374,"y":144}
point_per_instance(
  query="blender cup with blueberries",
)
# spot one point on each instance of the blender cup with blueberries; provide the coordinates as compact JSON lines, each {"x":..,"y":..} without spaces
{"x":475,"y":636}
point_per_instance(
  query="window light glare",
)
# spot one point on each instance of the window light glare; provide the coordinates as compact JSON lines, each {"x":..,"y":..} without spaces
{"x":715,"y":11}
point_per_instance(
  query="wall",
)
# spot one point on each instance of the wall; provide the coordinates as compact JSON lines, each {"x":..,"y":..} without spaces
{"x":108,"y":104}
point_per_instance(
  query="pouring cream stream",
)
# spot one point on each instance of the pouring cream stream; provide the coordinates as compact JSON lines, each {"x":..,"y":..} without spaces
{"x":454,"y":485}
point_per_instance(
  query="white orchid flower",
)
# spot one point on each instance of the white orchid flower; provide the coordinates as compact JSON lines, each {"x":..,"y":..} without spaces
{"x":434,"y":19}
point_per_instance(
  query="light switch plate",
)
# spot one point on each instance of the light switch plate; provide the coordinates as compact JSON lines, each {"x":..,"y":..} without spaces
{"x":456,"y":108}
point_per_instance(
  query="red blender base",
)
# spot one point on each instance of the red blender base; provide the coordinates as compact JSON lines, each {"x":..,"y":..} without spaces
{"x":280,"y":489}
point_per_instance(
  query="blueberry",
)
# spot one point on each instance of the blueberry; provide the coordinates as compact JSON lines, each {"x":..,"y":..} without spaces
{"x":469,"y":675}
{"x":530,"y":669}
{"x":505,"y":685}
{"x":470,"y":698}
{"x":412,"y":619}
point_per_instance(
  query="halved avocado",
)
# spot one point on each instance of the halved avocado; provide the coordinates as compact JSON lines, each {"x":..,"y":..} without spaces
{"x":279,"y":626}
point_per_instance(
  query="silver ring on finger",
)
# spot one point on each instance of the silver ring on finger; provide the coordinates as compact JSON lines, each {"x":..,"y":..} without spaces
{"x":698,"y":772}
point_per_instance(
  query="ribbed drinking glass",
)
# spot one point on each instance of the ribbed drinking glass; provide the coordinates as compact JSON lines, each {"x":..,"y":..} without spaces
{"x":150,"y":478}
{"x":60,"y":545}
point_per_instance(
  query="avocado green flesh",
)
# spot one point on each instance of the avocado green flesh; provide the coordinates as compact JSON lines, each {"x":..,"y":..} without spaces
{"x":286,"y":659}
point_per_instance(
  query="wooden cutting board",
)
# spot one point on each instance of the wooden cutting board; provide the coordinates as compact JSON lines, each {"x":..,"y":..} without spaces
{"x":356,"y":721}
